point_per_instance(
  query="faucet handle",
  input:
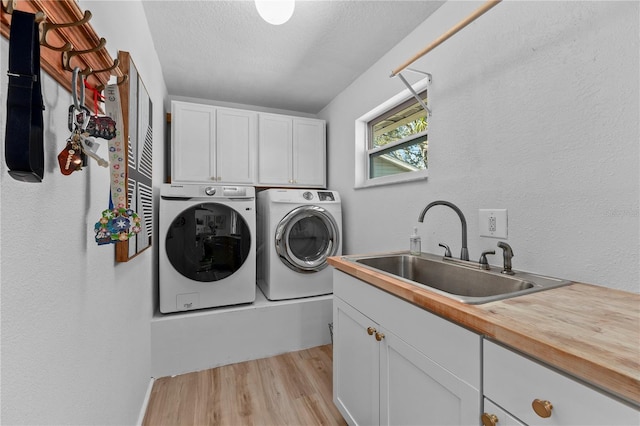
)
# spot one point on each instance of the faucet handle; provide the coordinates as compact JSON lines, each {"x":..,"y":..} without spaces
{"x":447,"y":252}
{"x":484,"y":264}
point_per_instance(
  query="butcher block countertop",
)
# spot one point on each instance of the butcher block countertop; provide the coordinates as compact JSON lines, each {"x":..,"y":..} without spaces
{"x":588,"y":331}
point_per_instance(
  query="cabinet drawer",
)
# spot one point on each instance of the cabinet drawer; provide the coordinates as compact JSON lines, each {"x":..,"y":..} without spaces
{"x":502,"y":418}
{"x":513,"y":382}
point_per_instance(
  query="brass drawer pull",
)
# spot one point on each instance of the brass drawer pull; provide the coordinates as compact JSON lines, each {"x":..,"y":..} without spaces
{"x":379,"y":336}
{"x":542,"y":408}
{"x":371,"y":330}
{"x":489,"y":419}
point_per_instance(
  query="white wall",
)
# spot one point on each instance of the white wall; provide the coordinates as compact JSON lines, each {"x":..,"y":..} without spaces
{"x":75,"y":325}
{"x":535,"y":109}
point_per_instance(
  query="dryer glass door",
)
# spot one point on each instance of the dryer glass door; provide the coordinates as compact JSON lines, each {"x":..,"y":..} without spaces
{"x":208,"y":242}
{"x":306,"y":237}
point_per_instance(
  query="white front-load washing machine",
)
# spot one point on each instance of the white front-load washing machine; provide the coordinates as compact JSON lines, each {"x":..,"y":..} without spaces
{"x":298,"y":229}
{"x":207,"y":246}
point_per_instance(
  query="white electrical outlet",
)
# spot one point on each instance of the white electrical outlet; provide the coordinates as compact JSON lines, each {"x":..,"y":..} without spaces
{"x":493,"y":223}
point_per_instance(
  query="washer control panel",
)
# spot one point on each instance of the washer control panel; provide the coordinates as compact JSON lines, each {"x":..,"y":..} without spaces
{"x":326,"y":196}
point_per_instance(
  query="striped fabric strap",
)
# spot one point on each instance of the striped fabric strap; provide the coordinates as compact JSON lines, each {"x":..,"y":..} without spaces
{"x":117,"y":151}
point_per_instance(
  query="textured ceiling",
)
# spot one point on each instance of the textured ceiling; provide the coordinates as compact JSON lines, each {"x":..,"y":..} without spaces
{"x":223,"y":50}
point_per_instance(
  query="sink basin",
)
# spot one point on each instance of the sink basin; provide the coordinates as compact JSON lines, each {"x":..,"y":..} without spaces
{"x":462,"y":281}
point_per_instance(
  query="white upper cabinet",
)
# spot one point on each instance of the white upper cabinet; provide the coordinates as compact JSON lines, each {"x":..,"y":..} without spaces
{"x":192,"y":148}
{"x":309,"y":152}
{"x":236,"y":145}
{"x":275,"y":149}
{"x":213,"y":144}
{"x":292,"y":151}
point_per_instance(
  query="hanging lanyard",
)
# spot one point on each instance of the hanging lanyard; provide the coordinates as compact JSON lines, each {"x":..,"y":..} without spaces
{"x":117,"y":151}
{"x":118,"y":223}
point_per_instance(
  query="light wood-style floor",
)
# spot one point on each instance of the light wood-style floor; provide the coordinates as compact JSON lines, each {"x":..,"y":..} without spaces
{"x":288,"y":389}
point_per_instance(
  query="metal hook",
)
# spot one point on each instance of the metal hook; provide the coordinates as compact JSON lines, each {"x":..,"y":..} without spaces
{"x":121,"y":81}
{"x":67,"y":56}
{"x":9,"y":6}
{"x":89,"y":71}
{"x":45,"y":27}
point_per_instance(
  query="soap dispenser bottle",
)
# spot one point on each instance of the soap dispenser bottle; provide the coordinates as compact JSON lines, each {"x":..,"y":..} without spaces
{"x":415,"y":243}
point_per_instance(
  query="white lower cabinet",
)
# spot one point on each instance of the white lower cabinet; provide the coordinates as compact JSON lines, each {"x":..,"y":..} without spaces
{"x":414,"y":390}
{"x":356,"y":365}
{"x":538,"y":395}
{"x":397,"y":364}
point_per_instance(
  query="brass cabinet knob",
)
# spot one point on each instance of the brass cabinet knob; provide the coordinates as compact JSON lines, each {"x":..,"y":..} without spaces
{"x":542,"y":408}
{"x":379,"y":336}
{"x":489,"y":419}
{"x":371,"y":330}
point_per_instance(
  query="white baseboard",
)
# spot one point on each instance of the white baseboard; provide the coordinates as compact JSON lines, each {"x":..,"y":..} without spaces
{"x":145,"y":403}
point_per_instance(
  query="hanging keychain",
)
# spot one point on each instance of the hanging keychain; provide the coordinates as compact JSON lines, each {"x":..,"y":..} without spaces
{"x":70,"y":158}
{"x":99,"y":126}
{"x":79,"y":144}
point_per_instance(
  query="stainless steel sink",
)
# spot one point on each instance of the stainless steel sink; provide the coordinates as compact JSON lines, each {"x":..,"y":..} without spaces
{"x":463,"y":281}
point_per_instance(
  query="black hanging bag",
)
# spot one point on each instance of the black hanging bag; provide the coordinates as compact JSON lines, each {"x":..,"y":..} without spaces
{"x":24,"y":130}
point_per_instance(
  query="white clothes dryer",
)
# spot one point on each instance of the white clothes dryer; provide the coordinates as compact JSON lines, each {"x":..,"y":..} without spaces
{"x":298,"y":229}
{"x":207,"y":246}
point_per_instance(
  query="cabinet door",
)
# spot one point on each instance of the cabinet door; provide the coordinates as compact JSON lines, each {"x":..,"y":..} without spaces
{"x":192,"y":142}
{"x":274,"y":150}
{"x":355,"y":365}
{"x":309,"y":152}
{"x":414,"y":390}
{"x":236,"y":144}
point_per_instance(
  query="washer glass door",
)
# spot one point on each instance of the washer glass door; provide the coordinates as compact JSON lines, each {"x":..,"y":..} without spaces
{"x":306,"y":237}
{"x":208,"y":242}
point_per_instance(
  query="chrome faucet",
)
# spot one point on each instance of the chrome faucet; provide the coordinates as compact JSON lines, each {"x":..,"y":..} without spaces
{"x":507,"y":254}
{"x":464,"y":252}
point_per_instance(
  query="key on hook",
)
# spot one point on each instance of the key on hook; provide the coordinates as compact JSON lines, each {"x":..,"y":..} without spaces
{"x":89,"y":147}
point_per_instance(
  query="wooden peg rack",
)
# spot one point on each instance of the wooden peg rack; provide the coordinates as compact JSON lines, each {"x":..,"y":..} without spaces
{"x":73,"y":44}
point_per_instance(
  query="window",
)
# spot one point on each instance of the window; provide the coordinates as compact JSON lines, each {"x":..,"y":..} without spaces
{"x":398,"y":140}
{"x":392,"y":141}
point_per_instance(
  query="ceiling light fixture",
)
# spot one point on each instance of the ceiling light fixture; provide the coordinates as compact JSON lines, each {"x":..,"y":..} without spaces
{"x":275,"y":12}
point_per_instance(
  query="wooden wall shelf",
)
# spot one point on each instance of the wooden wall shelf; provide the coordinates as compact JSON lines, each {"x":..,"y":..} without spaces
{"x":82,"y":37}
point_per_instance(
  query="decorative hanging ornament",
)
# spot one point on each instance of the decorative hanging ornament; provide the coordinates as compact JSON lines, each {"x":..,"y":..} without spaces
{"x":118,"y":224}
